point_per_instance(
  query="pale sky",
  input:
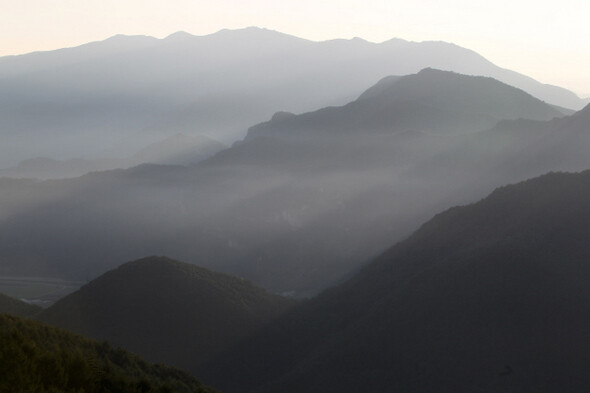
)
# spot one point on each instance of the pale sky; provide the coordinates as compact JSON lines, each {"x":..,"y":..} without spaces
{"x":549,"y":41}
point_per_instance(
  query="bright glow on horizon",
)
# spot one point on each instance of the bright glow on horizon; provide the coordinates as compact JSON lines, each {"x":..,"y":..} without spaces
{"x":544,"y":40}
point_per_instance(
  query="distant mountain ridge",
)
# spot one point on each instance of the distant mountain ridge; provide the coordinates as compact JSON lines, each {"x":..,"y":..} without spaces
{"x":516,"y":149}
{"x":303,"y":204}
{"x":178,"y":149}
{"x":431,"y":101}
{"x":124,"y":88}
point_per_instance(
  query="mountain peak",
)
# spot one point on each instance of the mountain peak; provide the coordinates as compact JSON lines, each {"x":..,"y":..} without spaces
{"x":248,"y":30}
{"x":433,"y":101}
{"x":126,"y":38}
{"x":165,"y":267}
{"x":282,"y":115}
{"x":358,"y":39}
{"x":256,"y":33}
{"x":179,"y":35}
{"x":388,"y":82}
{"x":176,"y":302}
{"x":434,"y":71}
{"x":396,"y":41}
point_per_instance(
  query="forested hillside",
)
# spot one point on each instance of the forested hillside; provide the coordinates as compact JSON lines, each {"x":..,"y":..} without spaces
{"x":37,"y":358}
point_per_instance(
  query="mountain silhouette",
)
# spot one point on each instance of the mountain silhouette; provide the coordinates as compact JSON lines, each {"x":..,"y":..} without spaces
{"x":432,"y":101}
{"x":491,"y":296}
{"x":167,"y":311}
{"x":95,"y":100}
{"x":297,"y":207}
{"x":514,"y":150}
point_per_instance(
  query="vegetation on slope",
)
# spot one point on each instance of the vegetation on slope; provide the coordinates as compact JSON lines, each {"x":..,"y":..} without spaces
{"x":167,"y":311}
{"x":13,"y":306}
{"x":42,"y":359}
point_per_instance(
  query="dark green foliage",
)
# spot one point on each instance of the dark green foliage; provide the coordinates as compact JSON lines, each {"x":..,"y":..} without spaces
{"x":9,"y":305}
{"x":167,"y":311}
{"x":41,"y":359}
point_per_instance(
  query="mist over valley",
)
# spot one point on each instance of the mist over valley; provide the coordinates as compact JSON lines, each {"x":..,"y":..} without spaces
{"x":275,"y":214}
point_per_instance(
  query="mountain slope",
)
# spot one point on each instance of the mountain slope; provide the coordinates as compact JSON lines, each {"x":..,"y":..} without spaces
{"x":113,"y":92}
{"x":432,"y":101}
{"x":564,"y":148}
{"x":491,"y":297}
{"x":178,"y":149}
{"x":12,"y":306}
{"x":295,"y":209}
{"x":37,"y":358}
{"x":167,"y":311}
{"x":514,"y":150}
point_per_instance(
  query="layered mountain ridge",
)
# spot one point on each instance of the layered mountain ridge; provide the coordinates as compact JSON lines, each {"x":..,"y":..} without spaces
{"x":96,"y":100}
{"x":491,"y":296}
{"x":385,"y":210}
{"x":432,"y":101}
{"x":292,"y":211}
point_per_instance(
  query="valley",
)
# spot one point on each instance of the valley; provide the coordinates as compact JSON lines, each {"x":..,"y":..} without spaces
{"x":303,"y":200}
{"x":259,"y":212}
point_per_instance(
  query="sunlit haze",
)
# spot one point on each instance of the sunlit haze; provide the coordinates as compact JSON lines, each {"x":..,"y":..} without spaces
{"x":541,"y":39}
{"x":289,"y":196}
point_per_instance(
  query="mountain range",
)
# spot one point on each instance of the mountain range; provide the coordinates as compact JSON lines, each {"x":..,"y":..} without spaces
{"x":178,"y":149}
{"x":491,"y":296}
{"x":109,"y":98}
{"x":384,"y":210}
{"x":304,"y":200}
{"x":431,"y":101}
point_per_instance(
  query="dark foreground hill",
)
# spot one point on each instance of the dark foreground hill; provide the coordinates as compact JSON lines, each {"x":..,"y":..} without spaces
{"x":167,"y":311}
{"x":12,"y":306}
{"x":37,"y":358}
{"x":488,"y":297}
